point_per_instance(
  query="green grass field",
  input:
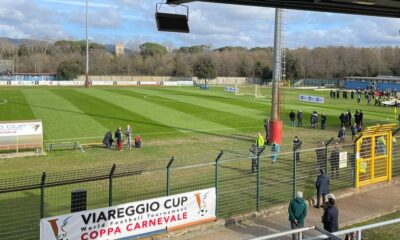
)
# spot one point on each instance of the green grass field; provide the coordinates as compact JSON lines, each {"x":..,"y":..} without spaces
{"x":191,"y":124}
{"x":179,"y":121}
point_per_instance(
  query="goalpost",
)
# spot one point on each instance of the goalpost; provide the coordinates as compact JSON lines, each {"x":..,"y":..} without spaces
{"x":249,"y":90}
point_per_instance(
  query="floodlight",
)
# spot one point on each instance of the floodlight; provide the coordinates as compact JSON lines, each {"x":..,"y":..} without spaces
{"x":170,"y":22}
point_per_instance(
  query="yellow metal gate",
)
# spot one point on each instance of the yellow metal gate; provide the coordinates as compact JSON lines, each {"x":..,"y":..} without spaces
{"x":374,"y":155}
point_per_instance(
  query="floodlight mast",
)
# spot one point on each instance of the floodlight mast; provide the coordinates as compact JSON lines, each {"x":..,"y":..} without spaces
{"x":276,"y":122}
{"x":87,"y":49}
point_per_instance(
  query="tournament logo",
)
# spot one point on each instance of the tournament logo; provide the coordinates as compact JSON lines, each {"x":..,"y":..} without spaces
{"x":54,"y":226}
{"x":201,"y":203}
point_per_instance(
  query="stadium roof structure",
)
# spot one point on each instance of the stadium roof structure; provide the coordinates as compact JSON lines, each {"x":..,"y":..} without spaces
{"x":381,"y":8}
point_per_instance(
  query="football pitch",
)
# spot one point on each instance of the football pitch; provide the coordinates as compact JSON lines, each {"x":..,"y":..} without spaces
{"x":173,"y":121}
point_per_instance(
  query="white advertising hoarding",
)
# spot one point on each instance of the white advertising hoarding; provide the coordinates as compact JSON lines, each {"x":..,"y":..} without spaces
{"x":133,"y":220}
{"x":312,"y":99}
{"x":8,"y":129}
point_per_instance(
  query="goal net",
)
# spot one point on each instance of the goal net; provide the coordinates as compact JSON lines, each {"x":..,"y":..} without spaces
{"x":249,"y":90}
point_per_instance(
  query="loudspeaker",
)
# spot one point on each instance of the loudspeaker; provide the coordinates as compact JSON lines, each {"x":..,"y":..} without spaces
{"x":78,"y":200}
{"x":169,"y":22}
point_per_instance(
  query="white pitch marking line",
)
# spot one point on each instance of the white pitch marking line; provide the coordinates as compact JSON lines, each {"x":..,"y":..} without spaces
{"x":153,"y":133}
{"x":3,"y":101}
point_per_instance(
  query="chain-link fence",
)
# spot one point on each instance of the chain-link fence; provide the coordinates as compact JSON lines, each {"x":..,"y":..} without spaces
{"x":244,"y":183}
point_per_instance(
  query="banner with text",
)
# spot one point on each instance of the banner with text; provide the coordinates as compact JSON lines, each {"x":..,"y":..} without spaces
{"x":312,"y":99}
{"x":136,"y":219}
{"x":16,"y":135}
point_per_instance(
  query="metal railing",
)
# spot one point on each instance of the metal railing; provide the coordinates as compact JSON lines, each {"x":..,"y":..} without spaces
{"x":356,"y":230}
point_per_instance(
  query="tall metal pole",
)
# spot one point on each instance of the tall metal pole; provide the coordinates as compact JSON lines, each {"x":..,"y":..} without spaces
{"x":277,"y":66}
{"x":87,"y":48}
{"x":276,"y":123}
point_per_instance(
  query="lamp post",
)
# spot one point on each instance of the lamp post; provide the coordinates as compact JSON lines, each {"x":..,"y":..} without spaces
{"x":87,"y":49}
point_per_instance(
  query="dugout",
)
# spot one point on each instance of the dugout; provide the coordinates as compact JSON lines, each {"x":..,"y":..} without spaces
{"x":374,"y":155}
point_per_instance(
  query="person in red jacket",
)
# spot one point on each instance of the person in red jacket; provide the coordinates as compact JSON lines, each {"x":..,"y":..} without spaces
{"x":138,"y":141}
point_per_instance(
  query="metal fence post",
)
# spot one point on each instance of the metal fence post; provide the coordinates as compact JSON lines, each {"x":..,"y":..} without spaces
{"x":110,"y":185}
{"x":258,"y":180}
{"x":216,"y":181}
{"x":42,"y":185}
{"x":168,"y":175}
{"x":326,"y":154}
{"x":294,"y":169}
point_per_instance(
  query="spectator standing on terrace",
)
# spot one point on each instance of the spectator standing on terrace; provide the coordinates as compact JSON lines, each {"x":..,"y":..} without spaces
{"x":322,"y":186}
{"x":138,"y":141}
{"x":292,"y":117}
{"x":108,"y":140}
{"x":353,"y":131}
{"x":266,"y":127}
{"x":323,"y":121}
{"x":314,"y":119}
{"x":357,"y":118}
{"x":342,"y":119}
{"x":342,"y":134}
{"x":297,"y":213}
{"x":274,"y":151}
{"x":297,"y":147}
{"x":330,"y":219}
{"x":128,"y":135}
{"x":300,"y":118}
{"x":349,"y":117}
{"x":254,"y":158}
{"x":260,"y":142}
{"x":118,"y":138}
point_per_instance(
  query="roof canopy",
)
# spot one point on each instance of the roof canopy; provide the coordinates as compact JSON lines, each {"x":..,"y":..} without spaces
{"x":382,"y":8}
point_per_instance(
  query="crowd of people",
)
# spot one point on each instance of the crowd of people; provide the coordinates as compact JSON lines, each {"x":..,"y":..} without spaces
{"x":370,"y":93}
{"x":6,"y":73}
{"x":345,"y":120}
{"x":119,"y":138}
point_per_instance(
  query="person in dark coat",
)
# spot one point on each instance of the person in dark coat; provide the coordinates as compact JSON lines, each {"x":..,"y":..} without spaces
{"x":300,"y":118}
{"x":322,"y":186}
{"x":342,"y":119}
{"x":330,"y":219}
{"x":297,"y":213}
{"x":118,"y":138}
{"x":361,"y":117}
{"x":266,"y":128}
{"x":314,"y":119}
{"x":323,"y":121}
{"x":352,"y":94}
{"x":337,"y":94}
{"x":349,"y":117}
{"x":108,"y":140}
{"x":357,"y":118}
{"x":292,"y":117}
{"x":297,"y":146}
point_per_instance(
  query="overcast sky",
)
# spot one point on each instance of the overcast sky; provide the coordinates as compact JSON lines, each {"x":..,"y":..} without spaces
{"x":211,"y":24}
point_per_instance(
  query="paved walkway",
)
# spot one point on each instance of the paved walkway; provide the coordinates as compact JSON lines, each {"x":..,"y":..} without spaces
{"x":355,"y":208}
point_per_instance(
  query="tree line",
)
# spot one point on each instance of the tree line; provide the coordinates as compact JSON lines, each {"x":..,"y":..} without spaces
{"x":67,"y":59}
